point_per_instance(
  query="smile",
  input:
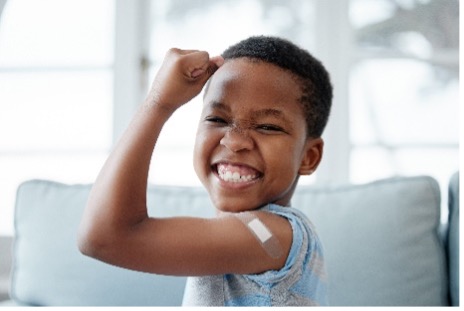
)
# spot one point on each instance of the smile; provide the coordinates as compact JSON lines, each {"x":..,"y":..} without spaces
{"x":237,"y":173}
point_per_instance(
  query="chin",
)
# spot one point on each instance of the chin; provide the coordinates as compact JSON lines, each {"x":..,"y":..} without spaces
{"x":235,"y":205}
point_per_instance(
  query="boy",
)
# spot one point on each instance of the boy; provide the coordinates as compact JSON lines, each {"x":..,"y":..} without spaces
{"x":264,"y":111}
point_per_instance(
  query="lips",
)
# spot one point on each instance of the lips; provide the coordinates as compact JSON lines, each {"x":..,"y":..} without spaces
{"x":236,"y":173}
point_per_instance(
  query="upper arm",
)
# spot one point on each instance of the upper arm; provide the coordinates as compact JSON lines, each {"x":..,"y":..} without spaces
{"x":196,"y":246}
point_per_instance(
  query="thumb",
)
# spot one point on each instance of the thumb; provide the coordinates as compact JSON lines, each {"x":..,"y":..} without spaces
{"x":208,"y":68}
{"x":194,"y":62}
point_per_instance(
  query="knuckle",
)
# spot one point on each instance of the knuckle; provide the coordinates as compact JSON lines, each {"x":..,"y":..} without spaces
{"x":173,"y":51}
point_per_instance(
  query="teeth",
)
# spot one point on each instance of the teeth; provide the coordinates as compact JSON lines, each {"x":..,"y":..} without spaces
{"x":234,"y":177}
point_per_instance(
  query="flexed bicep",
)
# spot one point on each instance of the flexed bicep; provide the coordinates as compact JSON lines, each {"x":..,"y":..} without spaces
{"x":195,"y":246}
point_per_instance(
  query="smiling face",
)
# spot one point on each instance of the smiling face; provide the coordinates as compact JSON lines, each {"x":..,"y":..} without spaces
{"x":251,"y":142}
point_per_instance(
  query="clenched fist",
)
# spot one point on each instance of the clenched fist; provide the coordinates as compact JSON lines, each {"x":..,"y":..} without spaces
{"x":181,"y":77}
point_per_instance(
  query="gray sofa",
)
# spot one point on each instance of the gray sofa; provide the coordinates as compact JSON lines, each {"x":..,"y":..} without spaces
{"x":384,"y":245}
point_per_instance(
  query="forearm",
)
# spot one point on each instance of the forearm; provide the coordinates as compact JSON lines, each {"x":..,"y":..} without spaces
{"x":117,"y":200}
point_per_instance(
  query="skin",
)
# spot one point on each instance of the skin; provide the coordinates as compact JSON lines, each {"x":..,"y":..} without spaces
{"x":251,"y":117}
{"x":248,"y":119}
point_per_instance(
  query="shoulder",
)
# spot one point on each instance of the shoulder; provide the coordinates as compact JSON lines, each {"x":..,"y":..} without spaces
{"x":304,"y":248}
{"x":305,"y":243}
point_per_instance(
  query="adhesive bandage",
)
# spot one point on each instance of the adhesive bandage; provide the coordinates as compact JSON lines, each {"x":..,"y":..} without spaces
{"x":268,"y":241}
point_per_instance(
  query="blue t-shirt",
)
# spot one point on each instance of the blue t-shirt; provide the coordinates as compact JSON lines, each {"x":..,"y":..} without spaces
{"x":301,"y":282}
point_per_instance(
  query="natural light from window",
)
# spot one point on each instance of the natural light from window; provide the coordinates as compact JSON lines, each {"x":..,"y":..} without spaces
{"x":57,"y":73}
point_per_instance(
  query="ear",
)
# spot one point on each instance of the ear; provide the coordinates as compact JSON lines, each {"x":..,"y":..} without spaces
{"x":312,"y":156}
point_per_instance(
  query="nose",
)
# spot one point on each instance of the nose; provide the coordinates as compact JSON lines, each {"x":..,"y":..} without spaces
{"x":237,"y":140}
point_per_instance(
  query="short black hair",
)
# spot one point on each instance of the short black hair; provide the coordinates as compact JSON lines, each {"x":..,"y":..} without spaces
{"x":313,"y":77}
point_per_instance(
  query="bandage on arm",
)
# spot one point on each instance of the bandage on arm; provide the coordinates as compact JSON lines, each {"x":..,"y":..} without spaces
{"x":268,"y":241}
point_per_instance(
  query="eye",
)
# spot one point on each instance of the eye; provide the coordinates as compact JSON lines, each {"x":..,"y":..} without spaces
{"x":270,"y":128}
{"x":214,"y":119}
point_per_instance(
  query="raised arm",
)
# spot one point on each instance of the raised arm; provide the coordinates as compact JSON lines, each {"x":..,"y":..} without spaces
{"x":116,"y":228}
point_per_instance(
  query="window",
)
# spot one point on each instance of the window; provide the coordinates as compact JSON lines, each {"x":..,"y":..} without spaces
{"x":401,"y":82}
{"x":404,"y":86}
{"x":55,"y":94}
{"x":213,"y":26}
{"x":394,"y":65}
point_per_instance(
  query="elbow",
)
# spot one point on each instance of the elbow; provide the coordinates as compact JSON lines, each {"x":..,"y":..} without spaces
{"x":86,"y":245}
{"x":100,"y":242}
{"x":93,"y":235}
{"x":91,"y":243}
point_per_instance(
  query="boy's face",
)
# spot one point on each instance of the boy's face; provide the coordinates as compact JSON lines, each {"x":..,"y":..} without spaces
{"x":251,"y":142}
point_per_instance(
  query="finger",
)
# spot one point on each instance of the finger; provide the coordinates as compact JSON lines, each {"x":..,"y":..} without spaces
{"x":209,"y":70}
{"x":197,"y":72}
{"x":180,"y":51}
{"x":217,"y":60}
{"x":196,"y":60}
{"x":196,"y":63}
{"x":214,"y":64}
{"x":199,"y":63}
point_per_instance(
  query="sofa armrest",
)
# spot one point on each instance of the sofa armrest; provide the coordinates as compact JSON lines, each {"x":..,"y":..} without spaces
{"x":452,"y":241}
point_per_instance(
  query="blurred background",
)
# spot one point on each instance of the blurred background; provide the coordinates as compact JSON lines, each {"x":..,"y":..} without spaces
{"x":72,"y":73}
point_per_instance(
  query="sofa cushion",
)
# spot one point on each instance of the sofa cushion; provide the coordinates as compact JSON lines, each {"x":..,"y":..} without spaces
{"x":48,"y":268}
{"x":381,"y":245}
{"x":452,"y":244}
{"x":381,"y":241}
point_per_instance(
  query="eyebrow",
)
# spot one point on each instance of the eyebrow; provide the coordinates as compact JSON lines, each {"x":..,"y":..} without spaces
{"x":257,"y":113}
{"x":220,"y":106}
{"x":268,"y":112}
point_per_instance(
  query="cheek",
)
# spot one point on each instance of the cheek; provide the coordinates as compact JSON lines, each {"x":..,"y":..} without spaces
{"x":203,"y":149}
{"x":197,"y":153}
{"x":293,"y":155}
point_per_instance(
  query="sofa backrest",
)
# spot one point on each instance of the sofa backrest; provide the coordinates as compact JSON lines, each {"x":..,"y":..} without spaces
{"x":48,"y":268}
{"x":381,"y":245}
{"x":381,"y":241}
